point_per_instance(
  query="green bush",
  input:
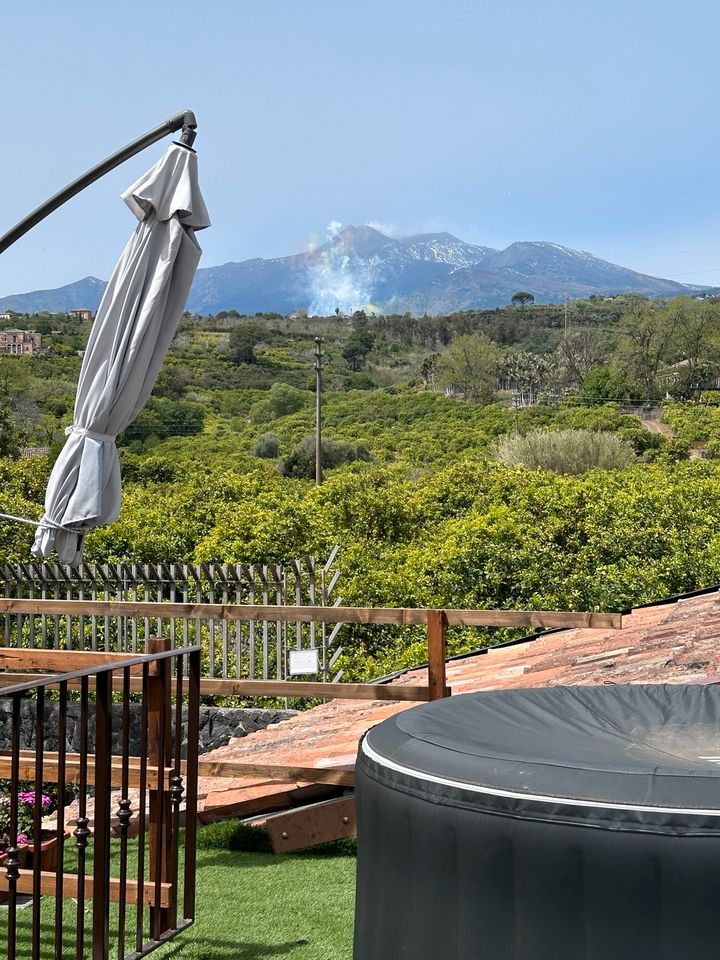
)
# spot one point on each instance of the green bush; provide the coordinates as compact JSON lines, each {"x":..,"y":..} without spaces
{"x":565,"y":451}
{"x":234,"y":835}
{"x":301,"y":461}
{"x":282,"y":399}
{"x":267,"y":446}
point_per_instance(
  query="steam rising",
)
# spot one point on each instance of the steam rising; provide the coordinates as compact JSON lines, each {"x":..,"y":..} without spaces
{"x":338,"y":280}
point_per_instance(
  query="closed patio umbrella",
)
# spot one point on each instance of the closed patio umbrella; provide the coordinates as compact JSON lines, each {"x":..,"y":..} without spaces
{"x":135,"y":323}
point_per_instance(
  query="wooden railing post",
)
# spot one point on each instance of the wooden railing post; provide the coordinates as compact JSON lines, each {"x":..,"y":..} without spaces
{"x":436,"y":624}
{"x":159,"y":747}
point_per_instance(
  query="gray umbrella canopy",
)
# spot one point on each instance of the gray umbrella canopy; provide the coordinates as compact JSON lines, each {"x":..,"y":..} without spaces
{"x":136,"y":321}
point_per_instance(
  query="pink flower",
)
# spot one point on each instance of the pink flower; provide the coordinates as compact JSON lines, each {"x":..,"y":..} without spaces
{"x":22,"y":838}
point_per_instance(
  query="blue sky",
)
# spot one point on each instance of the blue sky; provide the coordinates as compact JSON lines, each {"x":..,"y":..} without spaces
{"x":585,"y":123}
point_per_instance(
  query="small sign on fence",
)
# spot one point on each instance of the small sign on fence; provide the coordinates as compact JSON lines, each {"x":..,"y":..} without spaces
{"x":303,"y":662}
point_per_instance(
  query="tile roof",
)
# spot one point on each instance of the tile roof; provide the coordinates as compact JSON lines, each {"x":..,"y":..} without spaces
{"x":672,"y":642}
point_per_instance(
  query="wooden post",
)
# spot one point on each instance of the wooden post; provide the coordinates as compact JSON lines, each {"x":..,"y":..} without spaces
{"x":159,"y":747}
{"x":436,"y":624}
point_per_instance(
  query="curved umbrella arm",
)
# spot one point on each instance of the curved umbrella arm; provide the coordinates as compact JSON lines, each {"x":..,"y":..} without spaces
{"x":184,"y":121}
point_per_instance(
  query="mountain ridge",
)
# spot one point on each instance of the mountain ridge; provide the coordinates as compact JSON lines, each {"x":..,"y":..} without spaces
{"x":360,"y":267}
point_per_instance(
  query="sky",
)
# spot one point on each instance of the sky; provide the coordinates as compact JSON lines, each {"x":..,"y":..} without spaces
{"x":584,"y":123}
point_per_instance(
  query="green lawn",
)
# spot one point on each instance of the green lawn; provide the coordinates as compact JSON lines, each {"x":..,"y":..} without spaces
{"x":256,"y":905}
{"x":249,"y":906}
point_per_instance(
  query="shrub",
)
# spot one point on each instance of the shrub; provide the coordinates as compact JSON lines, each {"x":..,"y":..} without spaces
{"x":301,"y":461}
{"x":267,"y":446}
{"x":282,"y":399}
{"x":234,"y":835}
{"x":678,"y":449}
{"x":565,"y":451}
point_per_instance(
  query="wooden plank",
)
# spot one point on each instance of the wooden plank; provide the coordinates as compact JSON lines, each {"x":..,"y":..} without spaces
{"x":70,"y":887}
{"x":53,"y":679}
{"x":409,"y":616}
{"x":72,"y":768}
{"x":258,"y":688}
{"x":62,"y":661}
{"x":314,"y":690}
{"x":540,"y":619}
{"x":308,"y":826}
{"x":276,"y":772}
{"x":206,"y":768}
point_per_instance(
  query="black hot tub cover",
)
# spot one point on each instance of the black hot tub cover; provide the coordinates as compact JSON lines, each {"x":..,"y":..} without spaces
{"x":586,"y":820}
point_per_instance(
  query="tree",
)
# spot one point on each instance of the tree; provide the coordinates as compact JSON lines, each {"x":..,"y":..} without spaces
{"x":696,"y":345}
{"x":522,"y":298}
{"x":470,"y":367}
{"x":428,"y":368}
{"x":578,"y":352}
{"x":358,"y":346}
{"x":9,"y":436}
{"x":43,"y":326}
{"x":643,"y":344}
{"x":242,"y":342}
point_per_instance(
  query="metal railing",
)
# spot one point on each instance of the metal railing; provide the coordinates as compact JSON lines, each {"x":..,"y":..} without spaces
{"x":79,"y":908}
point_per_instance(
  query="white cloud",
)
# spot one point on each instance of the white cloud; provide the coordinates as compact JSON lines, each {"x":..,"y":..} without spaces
{"x":386,"y":228}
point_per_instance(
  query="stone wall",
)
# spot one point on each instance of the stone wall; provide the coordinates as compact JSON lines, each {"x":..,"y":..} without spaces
{"x":217,"y":725}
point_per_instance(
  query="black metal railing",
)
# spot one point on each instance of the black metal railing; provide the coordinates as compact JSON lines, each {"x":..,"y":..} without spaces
{"x":113,"y":878}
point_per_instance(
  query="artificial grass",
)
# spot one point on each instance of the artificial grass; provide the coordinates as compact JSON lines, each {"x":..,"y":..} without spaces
{"x":250,"y":906}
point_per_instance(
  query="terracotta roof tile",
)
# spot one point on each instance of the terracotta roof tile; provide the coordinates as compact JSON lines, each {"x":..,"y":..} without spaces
{"x":674,"y":642}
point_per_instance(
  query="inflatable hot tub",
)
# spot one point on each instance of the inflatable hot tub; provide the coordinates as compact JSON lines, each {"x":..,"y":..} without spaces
{"x":564,"y":823}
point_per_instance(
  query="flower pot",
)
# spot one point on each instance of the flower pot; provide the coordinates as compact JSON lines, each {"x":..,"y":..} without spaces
{"x":22,"y":856}
{"x":47,"y":850}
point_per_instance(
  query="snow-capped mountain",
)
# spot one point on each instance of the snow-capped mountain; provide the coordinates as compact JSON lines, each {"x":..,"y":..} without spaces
{"x":360,"y":267}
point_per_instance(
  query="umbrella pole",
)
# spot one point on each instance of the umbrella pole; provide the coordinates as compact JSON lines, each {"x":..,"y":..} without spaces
{"x":184,"y":121}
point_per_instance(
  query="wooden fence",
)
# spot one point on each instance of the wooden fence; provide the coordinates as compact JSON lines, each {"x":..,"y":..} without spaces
{"x":435,"y":622}
{"x":233,"y":648}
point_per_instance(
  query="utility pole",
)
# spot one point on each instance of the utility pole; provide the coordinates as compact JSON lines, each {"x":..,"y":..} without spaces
{"x":319,"y":357}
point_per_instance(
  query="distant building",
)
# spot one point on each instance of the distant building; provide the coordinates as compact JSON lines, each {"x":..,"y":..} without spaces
{"x":5,"y":316}
{"x":672,"y":375}
{"x":81,"y":313}
{"x":22,"y":343}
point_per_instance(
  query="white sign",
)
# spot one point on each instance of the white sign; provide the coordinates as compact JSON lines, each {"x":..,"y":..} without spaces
{"x":303,"y":662}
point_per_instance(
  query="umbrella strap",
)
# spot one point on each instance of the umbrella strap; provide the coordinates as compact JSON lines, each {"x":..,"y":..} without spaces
{"x":45,"y":522}
{"x":89,"y":433}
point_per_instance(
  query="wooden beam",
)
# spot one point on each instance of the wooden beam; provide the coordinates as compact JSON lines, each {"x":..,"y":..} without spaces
{"x":540,"y":619}
{"x":307,"y":826}
{"x":258,"y":688}
{"x":48,"y":886}
{"x":61,"y":661}
{"x":314,"y":690}
{"x":276,"y":772}
{"x":408,"y":616}
{"x":53,"y":679}
{"x":72,"y":768}
{"x":206,"y":768}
